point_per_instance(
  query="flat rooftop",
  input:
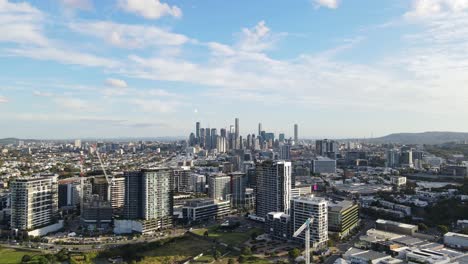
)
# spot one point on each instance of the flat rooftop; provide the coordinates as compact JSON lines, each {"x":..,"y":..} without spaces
{"x":388,"y":222}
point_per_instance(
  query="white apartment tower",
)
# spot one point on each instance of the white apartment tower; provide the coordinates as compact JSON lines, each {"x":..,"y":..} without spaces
{"x":219,"y":186}
{"x":309,"y":206}
{"x":34,"y":202}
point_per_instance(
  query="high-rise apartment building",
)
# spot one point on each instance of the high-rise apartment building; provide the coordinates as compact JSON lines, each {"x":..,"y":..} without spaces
{"x":305,"y":207}
{"x":149,"y":196}
{"x":118,"y":193}
{"x":285,"y":152}
{"x":219,"y":186}
{"x":34,"y":202}
{"x":239,"y":182}
{"x":273,"y":187}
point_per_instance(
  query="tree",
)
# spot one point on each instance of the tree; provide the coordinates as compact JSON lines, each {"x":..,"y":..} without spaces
{"x":330,"y":243}
{"x":254,"y":235}
{"x":206,"y":233}
{"x":25,"y":259}
{"x":294,"y":253}
{"x":242,"y":259}
{"x":231,"y":261}
{"x":443,"y":229}
{"x":422,"y":227}
{"x":216,"y":254}
{"x":246,"y":251}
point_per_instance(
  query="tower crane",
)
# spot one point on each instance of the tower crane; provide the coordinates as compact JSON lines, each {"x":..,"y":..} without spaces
{"x":110,"y":180}
{"x":306,"y":227}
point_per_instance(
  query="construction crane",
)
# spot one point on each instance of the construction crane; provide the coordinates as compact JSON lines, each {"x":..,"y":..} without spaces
{"x":306,"y":227}
{"x":110,"y":181}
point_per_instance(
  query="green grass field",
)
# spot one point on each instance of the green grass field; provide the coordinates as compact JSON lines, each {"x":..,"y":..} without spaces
{"x":182,"y":248}
{"x":14,"y":256}
{"x":235,"y":239}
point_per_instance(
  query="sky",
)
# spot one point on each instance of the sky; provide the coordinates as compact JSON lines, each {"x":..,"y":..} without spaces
{"x":152,"y":68}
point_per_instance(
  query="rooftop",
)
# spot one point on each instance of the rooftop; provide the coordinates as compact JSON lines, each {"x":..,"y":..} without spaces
{"x":388,"y":222}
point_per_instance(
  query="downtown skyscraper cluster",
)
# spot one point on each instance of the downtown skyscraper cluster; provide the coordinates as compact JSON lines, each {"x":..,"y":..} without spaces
{"x":230,"y":138}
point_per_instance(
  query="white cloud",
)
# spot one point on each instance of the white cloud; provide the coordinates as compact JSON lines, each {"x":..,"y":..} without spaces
{"x":79,"y":4}
{"x":256,"y":39}
{"x":75,"y":104}
{"x":155,"y":105}
{"x":333,"y":4}
{"x":42,"y":94}
{"x":129,"y":36}
{"x":431,"y":8}
{"x":116,"y":83}
{"x":21,"y":23}
{"x":63,"y":56}
{"x":151,"y":9}
{"x":3,"y":99}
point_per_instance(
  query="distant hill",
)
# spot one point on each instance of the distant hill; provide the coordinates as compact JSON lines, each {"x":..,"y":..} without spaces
{"x":7,"y":141}
{"x":422,"y":138}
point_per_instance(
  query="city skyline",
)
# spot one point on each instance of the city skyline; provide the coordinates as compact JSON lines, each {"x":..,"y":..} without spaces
{"x":150,"y":68}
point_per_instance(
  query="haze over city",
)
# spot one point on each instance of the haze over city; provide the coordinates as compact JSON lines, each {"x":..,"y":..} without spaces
{"x":340,"y":69}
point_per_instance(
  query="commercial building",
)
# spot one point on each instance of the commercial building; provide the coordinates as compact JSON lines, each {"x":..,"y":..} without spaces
{"x":34,"y":202}
{"x":456,"y":240}
{"x":323,"y":165}
{"x":326,"y":148}
{"x":396,"y":227}
{"x":219,"y":187}
{"x":148,"y":199}
{"x":343,"y":216}
{"x":205,"y":209}
{"x":303,"y":208}
{"x":398,"y":180}
{"x":273,"y":187}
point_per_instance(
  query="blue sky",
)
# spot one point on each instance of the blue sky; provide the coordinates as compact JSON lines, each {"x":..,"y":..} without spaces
{"x":338,"y":68}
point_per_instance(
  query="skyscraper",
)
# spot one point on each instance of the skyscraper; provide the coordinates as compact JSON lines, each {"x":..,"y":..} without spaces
{"x":197,"y":131}
{"x":34,"y":202}
{"x":149,"y":196}
{"x":273,"y":192}
{"x":207,"y":138}
{"x":236,"y":134}
{"x":296,"y":133}
{"x":214,"y":137}
{"x":259,"y":128}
